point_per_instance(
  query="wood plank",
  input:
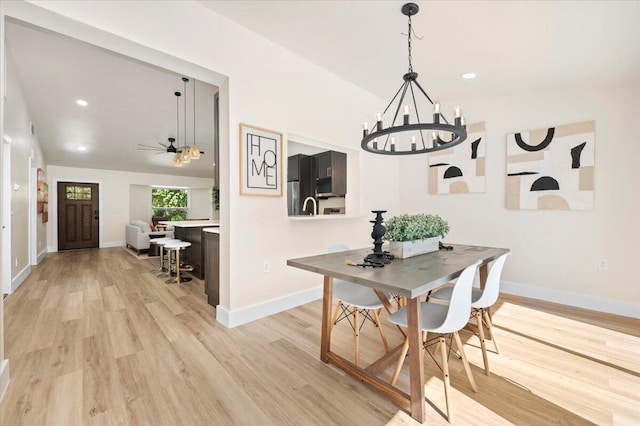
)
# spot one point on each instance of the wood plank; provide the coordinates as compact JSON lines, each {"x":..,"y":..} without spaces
{"x":327,"y":301}
{"x":416,"y":355}
{"x":545,"y":375}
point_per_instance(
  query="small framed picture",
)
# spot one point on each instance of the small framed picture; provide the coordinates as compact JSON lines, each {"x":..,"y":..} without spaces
{"x":260,"y":161}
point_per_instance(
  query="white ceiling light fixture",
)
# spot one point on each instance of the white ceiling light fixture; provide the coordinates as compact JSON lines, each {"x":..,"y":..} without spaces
{"x":469,"y":75}
{"x":412,"y":135}
{"x":82,"y":148}
{"x":82,"y":102}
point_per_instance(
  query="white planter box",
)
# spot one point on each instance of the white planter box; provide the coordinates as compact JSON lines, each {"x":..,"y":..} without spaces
{"x":404,"y":249}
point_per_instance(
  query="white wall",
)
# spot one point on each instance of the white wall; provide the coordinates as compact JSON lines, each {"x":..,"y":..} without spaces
{"x":200,"y":203}
{"x":555,"y":252}
{"x":23,"y":147}
{"x":115,"y":189}
{"x":140,"y":203}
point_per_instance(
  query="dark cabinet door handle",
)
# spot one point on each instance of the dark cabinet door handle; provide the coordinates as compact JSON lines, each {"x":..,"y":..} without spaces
{"x":328,"y":171}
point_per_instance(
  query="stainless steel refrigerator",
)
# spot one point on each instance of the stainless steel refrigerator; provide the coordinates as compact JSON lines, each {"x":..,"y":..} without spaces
{"x":293,"y":198}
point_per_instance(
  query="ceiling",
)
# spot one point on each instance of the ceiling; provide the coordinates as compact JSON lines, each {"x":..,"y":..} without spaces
{"x":130,"y":102}
{"x":512,"y":46}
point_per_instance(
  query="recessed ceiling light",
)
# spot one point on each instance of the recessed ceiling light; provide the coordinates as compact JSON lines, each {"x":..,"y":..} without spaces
{"x":82,"y":148}
{"x":469,"y":75}
{"x":82,"y":102}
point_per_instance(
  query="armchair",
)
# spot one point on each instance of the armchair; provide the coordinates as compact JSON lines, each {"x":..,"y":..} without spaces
{"x":138,"y":235}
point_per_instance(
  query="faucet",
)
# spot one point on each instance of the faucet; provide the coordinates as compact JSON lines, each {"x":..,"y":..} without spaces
{"x":315,"y":205}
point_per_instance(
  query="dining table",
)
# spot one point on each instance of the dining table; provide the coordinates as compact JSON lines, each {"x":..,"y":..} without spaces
{"x":409,"y":278}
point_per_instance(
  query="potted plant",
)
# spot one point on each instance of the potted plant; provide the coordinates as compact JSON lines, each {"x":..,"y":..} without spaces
{"x":412,"y":235}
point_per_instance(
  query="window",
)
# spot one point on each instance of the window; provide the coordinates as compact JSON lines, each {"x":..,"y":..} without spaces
{"x":169,"y":202}
{"x":78,"y":193}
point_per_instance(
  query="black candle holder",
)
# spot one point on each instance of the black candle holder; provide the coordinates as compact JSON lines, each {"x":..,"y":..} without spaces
{"x":379,"y":257}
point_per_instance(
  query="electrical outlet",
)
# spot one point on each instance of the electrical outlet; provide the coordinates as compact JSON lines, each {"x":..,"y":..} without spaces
{"x":603,"y":264}
{"x":267,"y":266}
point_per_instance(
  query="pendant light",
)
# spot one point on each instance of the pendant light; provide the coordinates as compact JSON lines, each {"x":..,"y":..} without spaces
{"x":194,"y":151}
{"x":185,"y":156}
{"x":177,"y":159}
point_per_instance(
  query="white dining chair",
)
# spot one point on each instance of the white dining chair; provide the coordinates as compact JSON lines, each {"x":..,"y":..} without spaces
{"x":355,"y":301}
{"x":442,"y":320}
{"x":481,"y":301}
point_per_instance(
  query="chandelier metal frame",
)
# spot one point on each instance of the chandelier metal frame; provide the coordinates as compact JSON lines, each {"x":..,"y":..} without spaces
{"x":433,"y":142}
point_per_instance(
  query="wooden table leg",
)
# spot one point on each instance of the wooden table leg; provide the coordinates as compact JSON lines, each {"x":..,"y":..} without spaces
{"x":483,"y":272}
{"x":416,"y":354}
{"x":327,"y":302}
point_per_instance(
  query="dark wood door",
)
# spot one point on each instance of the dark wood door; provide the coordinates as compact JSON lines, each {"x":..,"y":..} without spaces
{"x":77,"y":215}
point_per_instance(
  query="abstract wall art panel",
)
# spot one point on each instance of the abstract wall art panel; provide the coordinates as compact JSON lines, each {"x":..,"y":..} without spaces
{"x":460,"y":169}
{"x":552,"y":168}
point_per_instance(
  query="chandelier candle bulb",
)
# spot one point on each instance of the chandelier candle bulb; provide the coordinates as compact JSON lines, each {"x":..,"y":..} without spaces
{"x":434,"y":139}
{"x":406,"y":115}
{"x":365,"y":127}
{"x":457,"y":111}
{"x":393,"y":144}
{"x":413,"y":143}
{"x":379,"y":121}
{"x":375,"y":143}
{"x":436,"y":108}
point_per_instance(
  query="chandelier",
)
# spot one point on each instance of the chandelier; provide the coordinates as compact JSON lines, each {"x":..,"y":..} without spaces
{"x":415,"y":137}
{"x":186,"y":153}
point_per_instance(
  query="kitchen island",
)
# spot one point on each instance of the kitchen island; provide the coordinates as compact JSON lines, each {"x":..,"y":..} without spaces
{"x":192,"y":231}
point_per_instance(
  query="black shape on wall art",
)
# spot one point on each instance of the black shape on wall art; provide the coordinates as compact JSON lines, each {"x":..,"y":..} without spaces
{"x":439,"y":164}
{"x":576,"y":152}
{"x":474,"y":148}
{"x":545,"y":183}
{"x":542,"y":145}
{"x":452,"y":172}
{"x":522,"y":173}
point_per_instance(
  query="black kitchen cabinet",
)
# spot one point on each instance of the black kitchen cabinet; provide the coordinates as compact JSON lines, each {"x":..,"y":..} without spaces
{"x":330,"y":173}
{"x":212,"y":267}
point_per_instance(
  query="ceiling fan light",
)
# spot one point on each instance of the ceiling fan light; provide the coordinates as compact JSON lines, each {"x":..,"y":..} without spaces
{"x":185,"y":157}
{"x":177,"y":162}
{"x":194,"y":151}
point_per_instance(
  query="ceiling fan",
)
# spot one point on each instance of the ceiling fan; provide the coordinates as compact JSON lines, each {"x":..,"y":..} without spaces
{"x":185,"y":153}
{"x":162,"y":149}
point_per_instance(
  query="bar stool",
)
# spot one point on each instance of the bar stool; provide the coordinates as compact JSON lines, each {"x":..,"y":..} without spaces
{"x":161,"y":243}
{"x":176,"y":247}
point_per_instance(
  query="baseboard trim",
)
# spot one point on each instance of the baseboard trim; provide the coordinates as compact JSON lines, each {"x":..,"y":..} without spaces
{"x":41,"y":255}
{"x":617,"y":307}
{"x":19,"y":279}
{"x":238,"y":317}
{"x":4,"y":377}
{"x":113,"y":244}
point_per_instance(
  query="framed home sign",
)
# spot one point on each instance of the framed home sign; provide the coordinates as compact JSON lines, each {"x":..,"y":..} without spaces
{"x":260,"y":161}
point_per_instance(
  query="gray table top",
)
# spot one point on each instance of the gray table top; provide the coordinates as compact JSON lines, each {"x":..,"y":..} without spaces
{"x":406,"y":277}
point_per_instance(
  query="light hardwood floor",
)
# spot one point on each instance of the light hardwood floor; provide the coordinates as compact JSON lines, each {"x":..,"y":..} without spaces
{"x":94,"y":338}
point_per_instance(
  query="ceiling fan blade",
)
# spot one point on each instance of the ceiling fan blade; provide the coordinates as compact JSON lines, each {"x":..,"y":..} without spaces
{"x":164,"y":145}
{"x":147,"y":146}
{"x":150,"y":149}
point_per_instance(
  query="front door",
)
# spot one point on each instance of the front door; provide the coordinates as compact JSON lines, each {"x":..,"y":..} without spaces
{"x":77,"y":215}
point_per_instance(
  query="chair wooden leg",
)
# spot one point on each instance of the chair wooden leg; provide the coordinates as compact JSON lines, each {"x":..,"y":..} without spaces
{"x":465,"y":363}
{"x":335,"y":314}
{"x":403,"y":354}
{"x":445,"y":377}
{"x":483,"y":345}
{"x":487,"y":318}
{"x":356,"y":335}
{"x":376,"y":316}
